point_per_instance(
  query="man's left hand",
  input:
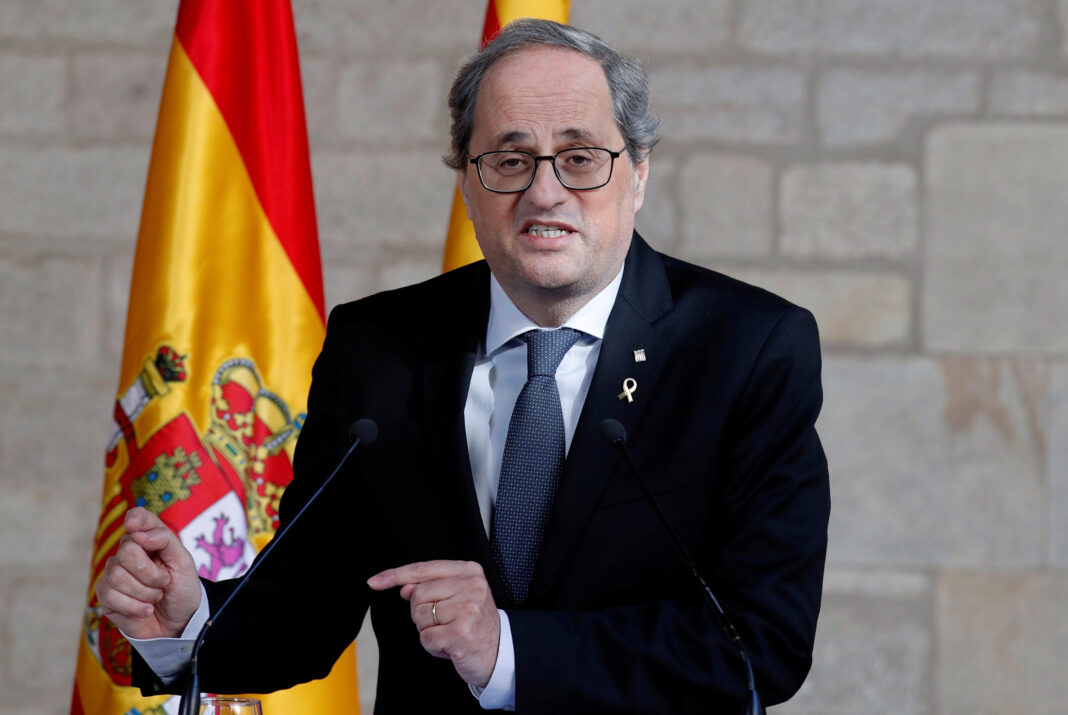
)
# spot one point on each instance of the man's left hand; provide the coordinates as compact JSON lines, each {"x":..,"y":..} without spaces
{"x":453,"y":609}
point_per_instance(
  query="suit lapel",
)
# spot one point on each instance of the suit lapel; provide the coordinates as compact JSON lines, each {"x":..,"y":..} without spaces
{"x":643,"y":297}
{"x":446,"y":378}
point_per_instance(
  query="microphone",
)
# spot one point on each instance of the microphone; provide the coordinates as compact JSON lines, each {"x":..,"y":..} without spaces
{"x":616,"y":435}
{"x":363,"y":431}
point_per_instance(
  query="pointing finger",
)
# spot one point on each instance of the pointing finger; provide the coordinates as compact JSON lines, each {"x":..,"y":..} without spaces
{"x":420,"y":572}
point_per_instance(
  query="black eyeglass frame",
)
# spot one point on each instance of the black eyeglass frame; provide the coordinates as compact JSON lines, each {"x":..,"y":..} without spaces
{"x":477,"y":161}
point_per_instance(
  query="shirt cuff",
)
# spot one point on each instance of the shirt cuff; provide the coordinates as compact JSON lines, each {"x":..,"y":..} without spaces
{"x":499,"y":693}
{"x":168,"y":657}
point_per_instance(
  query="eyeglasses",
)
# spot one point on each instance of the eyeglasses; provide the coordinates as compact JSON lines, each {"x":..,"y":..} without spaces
{"x":581,"y":168}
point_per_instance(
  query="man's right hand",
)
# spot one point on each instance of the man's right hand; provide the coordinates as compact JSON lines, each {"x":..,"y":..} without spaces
{"x":150,"y":587}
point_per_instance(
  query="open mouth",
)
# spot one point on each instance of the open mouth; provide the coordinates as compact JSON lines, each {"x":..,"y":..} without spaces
{"x":544,"y":230}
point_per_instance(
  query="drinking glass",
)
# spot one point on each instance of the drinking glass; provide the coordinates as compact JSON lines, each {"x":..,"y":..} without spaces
{"x":219,"y":705}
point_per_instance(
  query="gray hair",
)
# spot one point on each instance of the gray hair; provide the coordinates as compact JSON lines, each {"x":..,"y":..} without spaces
{"x":627,"y":84}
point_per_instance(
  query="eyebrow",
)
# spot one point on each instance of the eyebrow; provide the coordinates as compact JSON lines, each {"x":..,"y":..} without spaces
{"x":518,"y":136}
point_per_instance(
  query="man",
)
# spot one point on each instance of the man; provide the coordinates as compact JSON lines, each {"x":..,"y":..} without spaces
{"x":492,"y":571}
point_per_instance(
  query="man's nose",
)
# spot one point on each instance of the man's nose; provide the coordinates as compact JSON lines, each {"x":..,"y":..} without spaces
{"x":546,"y":189}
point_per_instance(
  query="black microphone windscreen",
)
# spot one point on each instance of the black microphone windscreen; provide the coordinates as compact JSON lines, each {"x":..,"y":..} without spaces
{"x":613,"y":431}
{"x":364,"y":430}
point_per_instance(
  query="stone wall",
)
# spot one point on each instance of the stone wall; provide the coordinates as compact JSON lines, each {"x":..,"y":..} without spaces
{"x":898,"y":166}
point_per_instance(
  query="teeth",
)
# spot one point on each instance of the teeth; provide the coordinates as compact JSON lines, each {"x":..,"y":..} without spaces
{"x":546,"y":232}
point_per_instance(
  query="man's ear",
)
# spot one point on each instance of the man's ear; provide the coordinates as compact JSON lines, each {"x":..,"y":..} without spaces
{"x":641,"y":177}
{"x":462,"y":185}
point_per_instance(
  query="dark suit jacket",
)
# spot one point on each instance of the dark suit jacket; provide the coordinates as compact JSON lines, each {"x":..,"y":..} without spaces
{"x":722,"y":427}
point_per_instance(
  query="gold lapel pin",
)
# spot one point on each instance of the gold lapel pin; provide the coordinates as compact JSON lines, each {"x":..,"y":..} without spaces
{"x":630,"y":386}
{"x":639,"y":355}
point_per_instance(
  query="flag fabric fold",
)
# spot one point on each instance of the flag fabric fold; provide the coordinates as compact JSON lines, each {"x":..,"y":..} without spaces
{"x":226,"y":317}
{"x":460,"y":245}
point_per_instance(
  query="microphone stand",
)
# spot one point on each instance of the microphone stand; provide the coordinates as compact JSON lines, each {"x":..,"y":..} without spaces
{"x":616,"y":435}
{"x":364,"y":431}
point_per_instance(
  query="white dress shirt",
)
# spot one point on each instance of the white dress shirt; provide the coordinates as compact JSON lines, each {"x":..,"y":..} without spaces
{"x":499,"y":375}
{"x":496,"y":381}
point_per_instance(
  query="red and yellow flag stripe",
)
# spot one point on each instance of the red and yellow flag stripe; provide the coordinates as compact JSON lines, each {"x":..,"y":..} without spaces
{"x":460,"y":245}
{"x":226,"y":271}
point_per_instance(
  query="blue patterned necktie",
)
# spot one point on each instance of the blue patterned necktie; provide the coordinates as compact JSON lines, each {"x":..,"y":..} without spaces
{"x":532,"y":462}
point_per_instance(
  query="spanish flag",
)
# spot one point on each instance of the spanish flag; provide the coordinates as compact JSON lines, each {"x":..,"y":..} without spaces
{"x":460,"y":245}
{"x":226,"y":316}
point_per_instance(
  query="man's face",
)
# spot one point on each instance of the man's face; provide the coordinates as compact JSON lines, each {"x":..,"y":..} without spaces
{"x":550,"y":243}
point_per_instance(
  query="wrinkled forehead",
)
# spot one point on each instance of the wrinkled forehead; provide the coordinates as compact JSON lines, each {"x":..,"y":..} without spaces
{"x":539,"y":87}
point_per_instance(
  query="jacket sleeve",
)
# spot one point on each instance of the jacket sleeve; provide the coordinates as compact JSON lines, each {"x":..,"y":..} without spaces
{"x":672,"y":655}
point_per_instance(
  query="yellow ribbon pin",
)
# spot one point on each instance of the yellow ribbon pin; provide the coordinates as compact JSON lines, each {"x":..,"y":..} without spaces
{"x":630,"y":386}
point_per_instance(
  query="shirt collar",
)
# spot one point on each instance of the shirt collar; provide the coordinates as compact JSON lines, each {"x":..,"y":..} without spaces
{"x":506,"y":321}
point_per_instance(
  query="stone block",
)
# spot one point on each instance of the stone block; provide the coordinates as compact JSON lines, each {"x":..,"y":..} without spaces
{"x":1062,"y":8}
{"x":1002,"y":640}
{"x":45,"y":528}
{"x":415,"y":269}
{"x":398,"y":101}
{"x":1029,"y":94}
{"x":370,"y":200}
{"x":116,"y":95}
{"x":874,"y":649}
{"x":149,"y":24}
{"x":756,"y":105}
{"x":346,"y":279}
{"x":637,"y":26}
{"x":972,"y":29}
{"x":884,"y":583}
{"x":853,"y":308}
{"x":55,"y":440}
{"x":1058,"y":466}
{"x":31,"y":95}
{"x":367,"y":664}
{"x":657,"y":219}
{"x":871,"y":107}
{"x":372,"y":29}
{"x":995,"y":259}
{"x":93,"y":192}
{"x":117,"y":272}
{"x":45,"y":618}
{"x":52,"y":312}
{"x":20,"y":708}
{"x":848,"y":211}
{"x":319,"y":82}
{"x":726,"y":206}
{"x":934,"y":463}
